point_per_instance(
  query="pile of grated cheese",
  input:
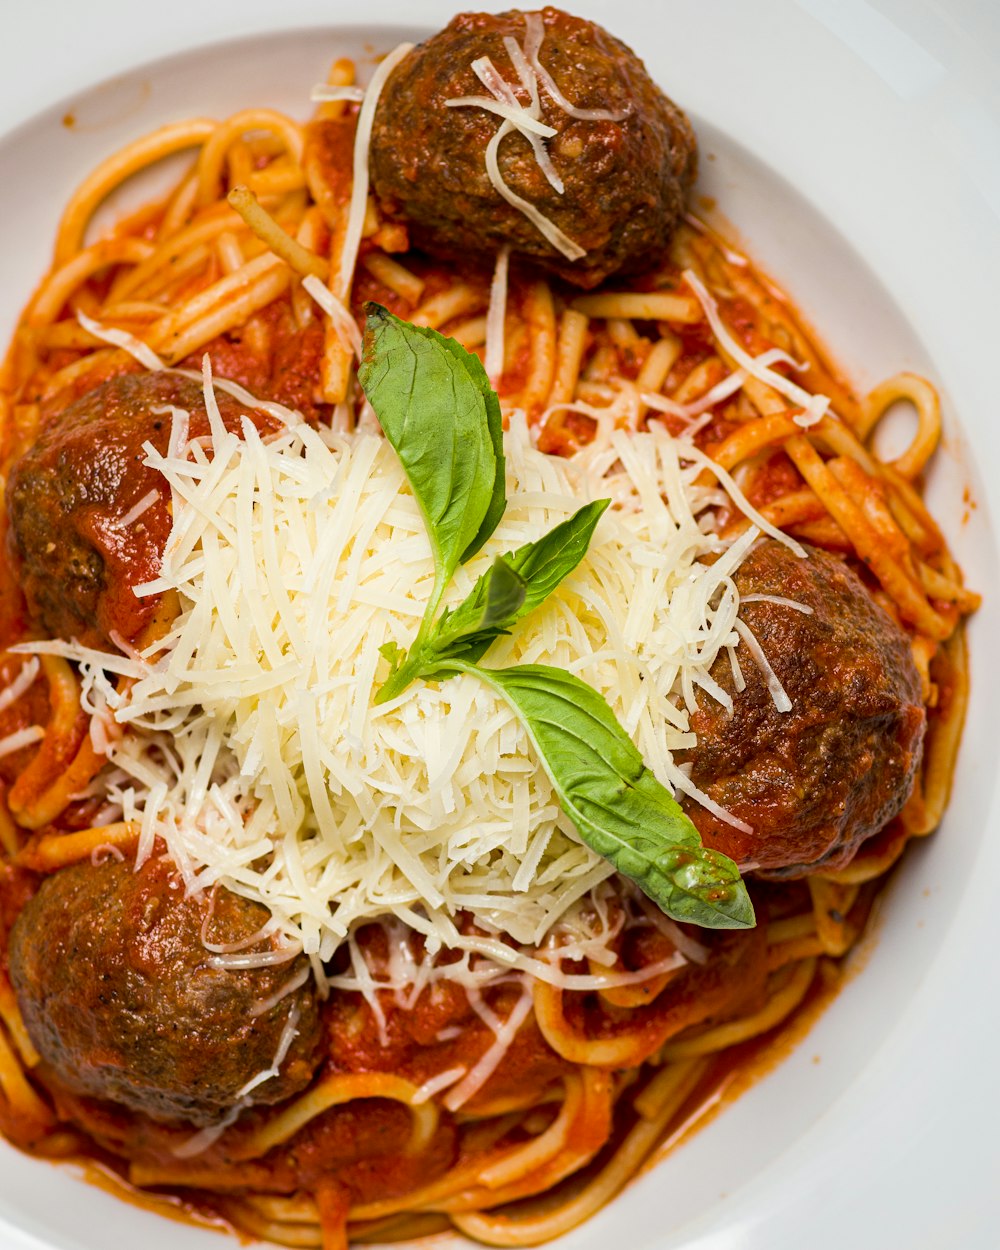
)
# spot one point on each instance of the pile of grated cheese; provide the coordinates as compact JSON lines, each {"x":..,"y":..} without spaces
{"x":257,"y":752}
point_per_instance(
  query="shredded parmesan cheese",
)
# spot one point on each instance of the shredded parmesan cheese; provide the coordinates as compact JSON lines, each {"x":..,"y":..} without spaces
{"x":516,"y":114}
{"x":325,"y":91}
{"x":776,"y":690}
{"x":21,"y":684}
{"x":288,"y":1035}
{"x":256,"y":750}
{"x":534,"y":33}
{"x":344,"y":325}
{"x":814,"y":406}
{"x":121,"y":338}
{"x":440,"y":1082}
{"x":526,"y":120}
{"x":341,"y":286}
{"x":138,"y":509}
{"x":545,"y":226}
{"x":504,"y":1032}
{"x":21,"y":738}
{"x":729,"y":386}
{"x":199,"y":1142}
{"x":804,"y":608}
{"x":493,"y":356}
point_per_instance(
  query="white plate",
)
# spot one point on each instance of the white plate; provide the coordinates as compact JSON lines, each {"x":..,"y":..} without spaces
{"x":860,"y":161}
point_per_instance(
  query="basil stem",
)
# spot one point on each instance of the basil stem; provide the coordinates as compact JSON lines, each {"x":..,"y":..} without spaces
{"x":618,"y":807}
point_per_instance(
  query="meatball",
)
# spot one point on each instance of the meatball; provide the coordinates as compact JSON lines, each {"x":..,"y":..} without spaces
{"x":625,"y":181}
{"x":88,"y":519}
{"x":816,"y":781}
{"x":121,"y":999}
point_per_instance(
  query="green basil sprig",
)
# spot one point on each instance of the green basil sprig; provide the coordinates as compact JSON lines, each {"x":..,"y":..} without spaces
{"x":436,"y":407}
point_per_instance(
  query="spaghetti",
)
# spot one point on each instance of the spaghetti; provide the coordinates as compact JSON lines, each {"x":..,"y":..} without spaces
{"x":507,"y":1088}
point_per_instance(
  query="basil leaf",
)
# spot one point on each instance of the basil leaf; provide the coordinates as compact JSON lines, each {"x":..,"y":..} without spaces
{"x":436,"y":408}
{"x":432,"y":408}
{"x":468,"y":630}
{"x":494,"y":423}
{"x":506,"y":591}
{"x":618,"y":807}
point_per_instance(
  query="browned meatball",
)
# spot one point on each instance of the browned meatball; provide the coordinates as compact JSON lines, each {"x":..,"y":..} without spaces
{"x":121,"y":998}
{"x":77,"y":550}
{"x":625,"y":181}
{"x":816,"y":781}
